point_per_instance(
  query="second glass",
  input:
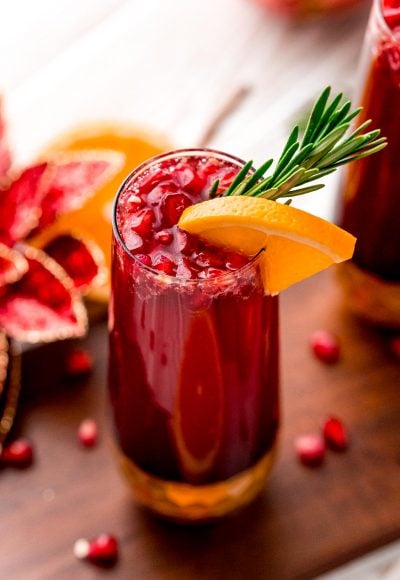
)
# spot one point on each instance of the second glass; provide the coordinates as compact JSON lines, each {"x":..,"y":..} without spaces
{"x":193,"y":372}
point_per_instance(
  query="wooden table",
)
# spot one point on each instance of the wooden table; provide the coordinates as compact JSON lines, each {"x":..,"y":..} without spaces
{"x":306,"y":522}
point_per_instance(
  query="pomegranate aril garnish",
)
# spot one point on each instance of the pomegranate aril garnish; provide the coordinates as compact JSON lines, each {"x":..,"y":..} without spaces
{"x":165,"y":264}
{"x":186,"y":243}
{"x":184,"y":270}
{"x":235,"y":261}
{"x":135,"y":202}
{"x":187,"y":178}
{"x":79,"y":362}
{"x":102,"y":550}
{"x":19,"y":453}
{"x":335,"y":434}
{"x":211,"y":273}
{"x":145,"y":259}
{"x":142,"y":222}
{"x":163,"y":237}
{"x":172,"y":207}
{"x":310,"y":450}
{"x":206,"y":259}
{"x":88,"y":433}
{"x":325,"y":346}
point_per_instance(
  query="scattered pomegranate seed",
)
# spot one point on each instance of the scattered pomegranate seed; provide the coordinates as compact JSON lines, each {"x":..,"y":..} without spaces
{"x":79,"y":362}
{"x":335,"y":434}
{"x":325,"y":346}
{"x":395,"y":346}
{"x":102,"y":550}
{"x":165,"y":264}
{"x":310,"y":450}
{"x":88,"y":433}
{"x":18,"y":454}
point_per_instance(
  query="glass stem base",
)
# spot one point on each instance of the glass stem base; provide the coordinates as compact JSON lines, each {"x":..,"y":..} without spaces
{"x":369,"y":296}
{"x":185,"y":503}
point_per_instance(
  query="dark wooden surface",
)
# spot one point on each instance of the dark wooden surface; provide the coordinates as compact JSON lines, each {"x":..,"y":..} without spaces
{"x":306,"y":522}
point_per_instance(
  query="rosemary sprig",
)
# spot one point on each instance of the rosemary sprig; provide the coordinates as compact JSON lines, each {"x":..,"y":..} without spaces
{"x":323,"y":148}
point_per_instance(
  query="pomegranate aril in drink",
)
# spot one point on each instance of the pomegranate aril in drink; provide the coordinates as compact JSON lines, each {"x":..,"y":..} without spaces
{"x":173,"y":206}
{"x":19,"y":453}
{"x":335,"y":434}
{"x":88,"y":433}
{"x":142,"y":222}
{"x":325,"y":346}
{"x":165,"y":264}
{"x":310,"y":450}
{"x":185,"y":242}
{"x":235,"y":261}
{"x":164,"y":237}
{"x":145,"y":259}
{"x":102,"y":550}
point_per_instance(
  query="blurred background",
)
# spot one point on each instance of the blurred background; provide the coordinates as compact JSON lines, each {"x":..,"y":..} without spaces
{"x":170,"y":68}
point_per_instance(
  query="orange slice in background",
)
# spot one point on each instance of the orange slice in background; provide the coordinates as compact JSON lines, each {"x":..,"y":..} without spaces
{"x":93,"y":220}
{"x":297,"y":244}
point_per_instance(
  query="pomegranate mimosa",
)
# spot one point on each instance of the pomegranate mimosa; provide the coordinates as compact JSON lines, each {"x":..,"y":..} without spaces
{"x":201,"y":249}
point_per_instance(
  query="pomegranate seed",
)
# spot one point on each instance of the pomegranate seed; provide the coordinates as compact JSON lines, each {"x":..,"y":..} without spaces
{"x":335,"y":434}
{"x":211,"y":273}
{"x":325,"y":346}
{"x":134,"y":242}
{"x":79,"y":362}
{"x":88,"y":433}
{"x":173,"y":206}
{"x":165,"y":264}
{"x":395,"y":346}
{"x":310,"y":450}
{"x":18,"y":454}
{"x":102,"y":550}
{"x":235,"y":261}
{"x":186,"y":244}
{"x":163,"y":237}
{"x":135,"y":202}
{"x":150,"y":181}
{"x":184,"y":270}
{"x":142,"y":222}
{"x":187,"y":178}
{"x":145,"y":259}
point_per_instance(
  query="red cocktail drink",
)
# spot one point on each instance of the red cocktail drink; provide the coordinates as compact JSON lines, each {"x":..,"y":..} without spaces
{"x":193,"y":347}
{"x":372,"y":185}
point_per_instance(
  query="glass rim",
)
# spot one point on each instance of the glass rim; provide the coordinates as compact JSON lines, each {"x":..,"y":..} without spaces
{"x":179,"y":280}
{"x":379,"y":13}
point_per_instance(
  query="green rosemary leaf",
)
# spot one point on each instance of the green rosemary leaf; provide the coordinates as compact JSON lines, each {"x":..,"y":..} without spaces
{"x":316,"y":114}
{"x":323,"y":149}
{"x":239,"y":178}
{"x":214,"y":189}
{"x":251,"y":180}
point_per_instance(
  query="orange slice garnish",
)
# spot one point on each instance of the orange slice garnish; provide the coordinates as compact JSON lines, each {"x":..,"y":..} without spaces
{"x":297,"y":244}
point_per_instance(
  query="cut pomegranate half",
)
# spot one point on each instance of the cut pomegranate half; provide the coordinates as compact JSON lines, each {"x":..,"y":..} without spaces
{"x":73,"y":179}
{"x":43,"y":305}
{"x":83,"y":260}
{"x":5,"y":154}
{"x":20,"y":205}
{"x":12,"y":265}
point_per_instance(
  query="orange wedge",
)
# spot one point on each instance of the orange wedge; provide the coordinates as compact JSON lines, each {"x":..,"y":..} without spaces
{"x":297,"y":244}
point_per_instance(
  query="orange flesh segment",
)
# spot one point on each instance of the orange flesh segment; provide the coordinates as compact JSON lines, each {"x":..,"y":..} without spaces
{"x":297,"y":244}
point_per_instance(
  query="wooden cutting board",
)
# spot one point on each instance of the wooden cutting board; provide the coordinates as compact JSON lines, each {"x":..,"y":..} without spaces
{"x":307,"y":521}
